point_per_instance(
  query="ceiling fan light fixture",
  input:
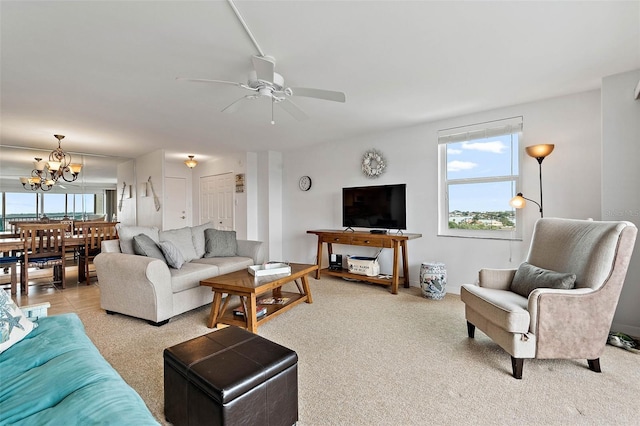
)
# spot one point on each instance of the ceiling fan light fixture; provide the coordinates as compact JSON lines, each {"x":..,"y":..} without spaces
{"x":191,"y":163}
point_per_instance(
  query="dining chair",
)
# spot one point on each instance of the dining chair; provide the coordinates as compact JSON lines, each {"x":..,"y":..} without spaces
{"x":94,"y":233}
{"x":44,"y":247}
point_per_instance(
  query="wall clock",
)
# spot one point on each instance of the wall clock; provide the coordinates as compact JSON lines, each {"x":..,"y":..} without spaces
{"x":305,"y":183}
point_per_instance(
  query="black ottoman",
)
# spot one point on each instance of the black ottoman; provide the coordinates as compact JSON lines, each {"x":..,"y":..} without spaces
{"x":230,"y":377}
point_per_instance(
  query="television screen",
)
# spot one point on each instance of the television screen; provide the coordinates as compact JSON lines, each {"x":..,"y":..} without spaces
{"x":382,"y":206}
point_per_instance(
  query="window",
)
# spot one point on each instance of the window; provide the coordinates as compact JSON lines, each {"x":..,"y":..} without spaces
{"x":479,"y":174}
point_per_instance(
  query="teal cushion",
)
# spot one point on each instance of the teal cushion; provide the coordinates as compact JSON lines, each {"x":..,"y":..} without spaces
{"x":529,"y":277}
{"x":172,"y":254}
{"x":143,"y":245}
{"x":220,"y":243}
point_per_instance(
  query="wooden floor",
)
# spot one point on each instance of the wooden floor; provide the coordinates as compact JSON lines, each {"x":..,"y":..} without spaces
{"x":76,"y":297}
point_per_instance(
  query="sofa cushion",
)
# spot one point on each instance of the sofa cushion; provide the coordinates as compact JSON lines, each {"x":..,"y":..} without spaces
{"x":14,"y":325}
{"x":126,"y":234}
{"x":143,"y":245}
{"x":190,"y":275}
{"x":172,"y":254}
{"x":182,"y":239}
{"x":529,"y":277}
{"x":226,"y":264}
{"x":197,"y":234}
{"x":220,"y":243}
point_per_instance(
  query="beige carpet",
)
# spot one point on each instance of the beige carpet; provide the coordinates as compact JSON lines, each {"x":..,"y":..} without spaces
{"x":367,"y":357}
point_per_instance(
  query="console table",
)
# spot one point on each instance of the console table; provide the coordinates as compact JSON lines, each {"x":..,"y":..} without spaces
{"x":397,"y":242}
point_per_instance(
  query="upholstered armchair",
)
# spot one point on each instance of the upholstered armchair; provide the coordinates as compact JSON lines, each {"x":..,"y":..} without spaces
{"x":560,"y":303}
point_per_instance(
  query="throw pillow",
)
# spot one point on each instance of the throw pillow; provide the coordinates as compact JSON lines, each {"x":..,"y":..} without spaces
{"x":220,"y":243}
{"x":172,"y":254}
{"x":529,"y":277}
{"x":143,"y":245}
{"x":197,"y":234}
{"x":126,"y":234}
{"x":182,"y":239}
{"x":14,"y":324}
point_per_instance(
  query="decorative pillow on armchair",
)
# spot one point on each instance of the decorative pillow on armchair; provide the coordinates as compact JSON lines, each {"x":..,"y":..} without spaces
{"x":14,"y":325}
{"x":220,"y":243}
{"x":529,"y":277}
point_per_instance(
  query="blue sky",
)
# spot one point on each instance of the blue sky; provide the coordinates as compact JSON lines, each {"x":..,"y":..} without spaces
{"x":480,"y":159}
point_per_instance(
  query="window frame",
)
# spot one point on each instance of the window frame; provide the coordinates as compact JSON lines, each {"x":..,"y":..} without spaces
{"x":446,"y":137}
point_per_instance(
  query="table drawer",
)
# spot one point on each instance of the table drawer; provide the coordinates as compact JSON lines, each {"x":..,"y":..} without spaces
{"x":337,"y":239}
{"x":371,"y":241}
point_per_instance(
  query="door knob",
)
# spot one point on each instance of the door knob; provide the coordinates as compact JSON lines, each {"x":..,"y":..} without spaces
{"x":182,"y":217}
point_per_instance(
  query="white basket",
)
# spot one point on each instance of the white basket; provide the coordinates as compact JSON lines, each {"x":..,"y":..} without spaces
{"x":270,"y":269}
{"x":368,"y":266}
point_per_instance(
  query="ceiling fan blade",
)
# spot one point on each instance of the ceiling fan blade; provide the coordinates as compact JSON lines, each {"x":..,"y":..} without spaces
{"x":204,"y":80}
{"x":293,"y":109}
{"x":264,"y":66}
{"x":328,"y":95}
{"x":235,"y":105}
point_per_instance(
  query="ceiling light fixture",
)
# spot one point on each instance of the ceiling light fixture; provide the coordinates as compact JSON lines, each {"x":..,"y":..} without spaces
{"x":191,"y":163}
{"x":46,"y":173}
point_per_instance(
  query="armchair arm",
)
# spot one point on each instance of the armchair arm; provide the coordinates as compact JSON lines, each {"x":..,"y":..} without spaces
{"x":569,"y":323}
{"x":252,"y":249}
{"x":135,"y":285}
{"x":499,"y":279}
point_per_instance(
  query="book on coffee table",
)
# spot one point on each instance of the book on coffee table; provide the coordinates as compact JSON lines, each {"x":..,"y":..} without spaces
{"x":273,"y":300}
{"x":260,"y":311}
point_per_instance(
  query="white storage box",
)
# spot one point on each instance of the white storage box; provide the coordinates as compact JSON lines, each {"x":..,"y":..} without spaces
{"x":361,"y":265}
{"x":271,"y":268}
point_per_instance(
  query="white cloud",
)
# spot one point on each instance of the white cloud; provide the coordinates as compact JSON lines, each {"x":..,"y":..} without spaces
{"x":457,"y":166}
{"x":496,"y":147}
{"x":454,"y":151}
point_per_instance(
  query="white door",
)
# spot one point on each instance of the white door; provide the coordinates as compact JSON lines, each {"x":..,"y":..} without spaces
{"x":216,"y":200}
{"x":175,"y":203}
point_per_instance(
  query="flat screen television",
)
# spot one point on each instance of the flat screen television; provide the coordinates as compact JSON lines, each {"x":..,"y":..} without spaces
{"x":381,"y":206}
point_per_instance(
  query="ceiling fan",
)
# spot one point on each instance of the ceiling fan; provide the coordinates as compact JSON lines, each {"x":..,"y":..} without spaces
{"x":263,"y":81}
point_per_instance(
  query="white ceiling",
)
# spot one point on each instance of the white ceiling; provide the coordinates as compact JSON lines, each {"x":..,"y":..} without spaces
{"x":103,"y":73}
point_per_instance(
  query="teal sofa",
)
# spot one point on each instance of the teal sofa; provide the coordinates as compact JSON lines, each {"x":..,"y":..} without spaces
{"x":56,"y":376}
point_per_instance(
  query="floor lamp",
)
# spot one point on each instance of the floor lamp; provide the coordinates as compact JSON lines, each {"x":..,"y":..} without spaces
{"x":539,"y":152}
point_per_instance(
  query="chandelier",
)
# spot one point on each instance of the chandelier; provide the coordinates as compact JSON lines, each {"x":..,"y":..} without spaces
{"x":46,"y":173}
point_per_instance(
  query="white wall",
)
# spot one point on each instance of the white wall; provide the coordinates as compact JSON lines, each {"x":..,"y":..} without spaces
{"x":126,"y":176}
{"x":571,"y":185}
{"x":621,"y":180}
{"x":149,"y":165}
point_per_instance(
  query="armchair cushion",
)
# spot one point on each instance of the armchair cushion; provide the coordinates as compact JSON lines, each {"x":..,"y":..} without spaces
{"x":529,"y":277}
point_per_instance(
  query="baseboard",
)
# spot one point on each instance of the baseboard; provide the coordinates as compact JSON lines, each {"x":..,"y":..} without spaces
{"x":626,"y":329}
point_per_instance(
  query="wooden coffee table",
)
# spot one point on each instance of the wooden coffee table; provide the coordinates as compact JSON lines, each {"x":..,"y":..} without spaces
{"x":248,"y":288}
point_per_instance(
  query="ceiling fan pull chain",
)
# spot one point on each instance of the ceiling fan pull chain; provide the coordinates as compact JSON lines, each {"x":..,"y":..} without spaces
{"x":272,"y":120}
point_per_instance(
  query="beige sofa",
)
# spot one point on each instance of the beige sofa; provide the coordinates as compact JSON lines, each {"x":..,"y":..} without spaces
{"x":147,"y":288}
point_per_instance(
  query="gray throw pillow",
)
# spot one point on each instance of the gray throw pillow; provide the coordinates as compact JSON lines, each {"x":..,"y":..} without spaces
{"x":220,"y":243}
{"x":529,"y":277}
{"x":172,"y":254}
{"x":143,"y":245}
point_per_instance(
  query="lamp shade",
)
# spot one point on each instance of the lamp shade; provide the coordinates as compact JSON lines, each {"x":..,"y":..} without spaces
{"x":540,"y":151}
{"x":518,"y":201}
